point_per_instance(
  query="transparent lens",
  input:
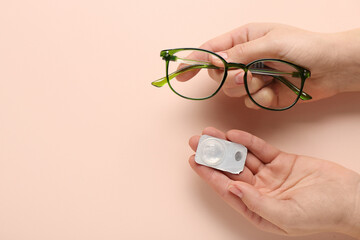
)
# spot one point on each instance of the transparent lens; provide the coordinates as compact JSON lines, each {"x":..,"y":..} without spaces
{"x":274,"y":84}
{"x":212,"y":152}
{"x":190,"y":73}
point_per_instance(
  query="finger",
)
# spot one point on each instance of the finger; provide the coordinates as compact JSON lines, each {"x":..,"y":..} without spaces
{"x":256,"y":82}
{"x":281,"y":94}
{"x":252,"y":166}
{"x":194,"y":55}
{"x":251,"y":51}
{"x":262,"y":150}
{"x":239,"y":35}
{"x":253,"y":163}
{"x":234,"y":78}
{"x":245,"y":176}
{"x":219,"y":182}
{"x":266,"y":207}
{"x":245,"y":44}
{"x":234,"y":84}
{"x":193,"y":142}
{"x":187,"y":75}
{"x":237,"y":89}
{"x":237,"y":42}
{"x":265,"y":97}
{"x":216,"y":179}
{"x":211,"y":131}
{"x":217,"y":75}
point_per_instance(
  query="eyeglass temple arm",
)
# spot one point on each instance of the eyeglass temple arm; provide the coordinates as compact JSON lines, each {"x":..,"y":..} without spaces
{"x":162,"y":81}
{"x":295,"y":89}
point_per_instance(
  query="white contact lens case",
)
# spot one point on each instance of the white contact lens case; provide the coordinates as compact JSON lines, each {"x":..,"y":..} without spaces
{"x":221,"y":154}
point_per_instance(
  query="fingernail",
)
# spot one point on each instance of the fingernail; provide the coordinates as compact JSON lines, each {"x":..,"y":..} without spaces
{"x":236,"y":191}
{"x":239,"y":78}
{"x":223,"y":55}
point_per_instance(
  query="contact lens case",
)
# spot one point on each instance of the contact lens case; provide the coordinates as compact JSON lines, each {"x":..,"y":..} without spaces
{"x":221,"y":154}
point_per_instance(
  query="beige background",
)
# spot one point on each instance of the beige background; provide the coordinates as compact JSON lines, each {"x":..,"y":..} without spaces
{"x":90,"y":150}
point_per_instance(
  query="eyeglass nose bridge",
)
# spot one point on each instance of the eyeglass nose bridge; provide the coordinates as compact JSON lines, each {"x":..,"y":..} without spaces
{"x":231,"y":65}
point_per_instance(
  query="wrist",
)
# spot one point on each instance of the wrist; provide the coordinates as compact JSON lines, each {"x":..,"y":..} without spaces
{"x":348,"y":59}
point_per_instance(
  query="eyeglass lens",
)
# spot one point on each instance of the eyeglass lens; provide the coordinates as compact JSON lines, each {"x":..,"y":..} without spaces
{"x":193,"y":70}
{"x":273,"y":84}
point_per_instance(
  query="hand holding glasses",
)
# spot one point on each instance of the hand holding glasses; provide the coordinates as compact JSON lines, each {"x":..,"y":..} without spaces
{"x":283,"y":81}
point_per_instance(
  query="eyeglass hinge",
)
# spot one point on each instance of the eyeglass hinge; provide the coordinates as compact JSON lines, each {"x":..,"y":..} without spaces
{"x":167,"y":56}
{"x":307,"y":73}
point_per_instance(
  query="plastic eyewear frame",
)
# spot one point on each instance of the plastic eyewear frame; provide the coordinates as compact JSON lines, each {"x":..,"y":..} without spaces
{"x":256,"y":68}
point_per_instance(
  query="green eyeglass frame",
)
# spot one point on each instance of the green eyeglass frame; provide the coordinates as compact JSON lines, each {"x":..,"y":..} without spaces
{"x":169,"y":55}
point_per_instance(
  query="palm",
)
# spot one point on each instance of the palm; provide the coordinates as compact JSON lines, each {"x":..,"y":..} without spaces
{"x":282,"y":176}
{"x":304,"y":193}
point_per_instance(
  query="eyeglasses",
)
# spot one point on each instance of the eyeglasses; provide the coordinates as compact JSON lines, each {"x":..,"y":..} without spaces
{"x":272,"y":84}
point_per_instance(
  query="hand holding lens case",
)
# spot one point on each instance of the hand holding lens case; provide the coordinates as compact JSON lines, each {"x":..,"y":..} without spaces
{"x":221,"y":154}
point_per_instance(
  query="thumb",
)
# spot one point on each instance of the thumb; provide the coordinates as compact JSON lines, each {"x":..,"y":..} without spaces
{"x":251,"y":51}
{"x":266,"y":207}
